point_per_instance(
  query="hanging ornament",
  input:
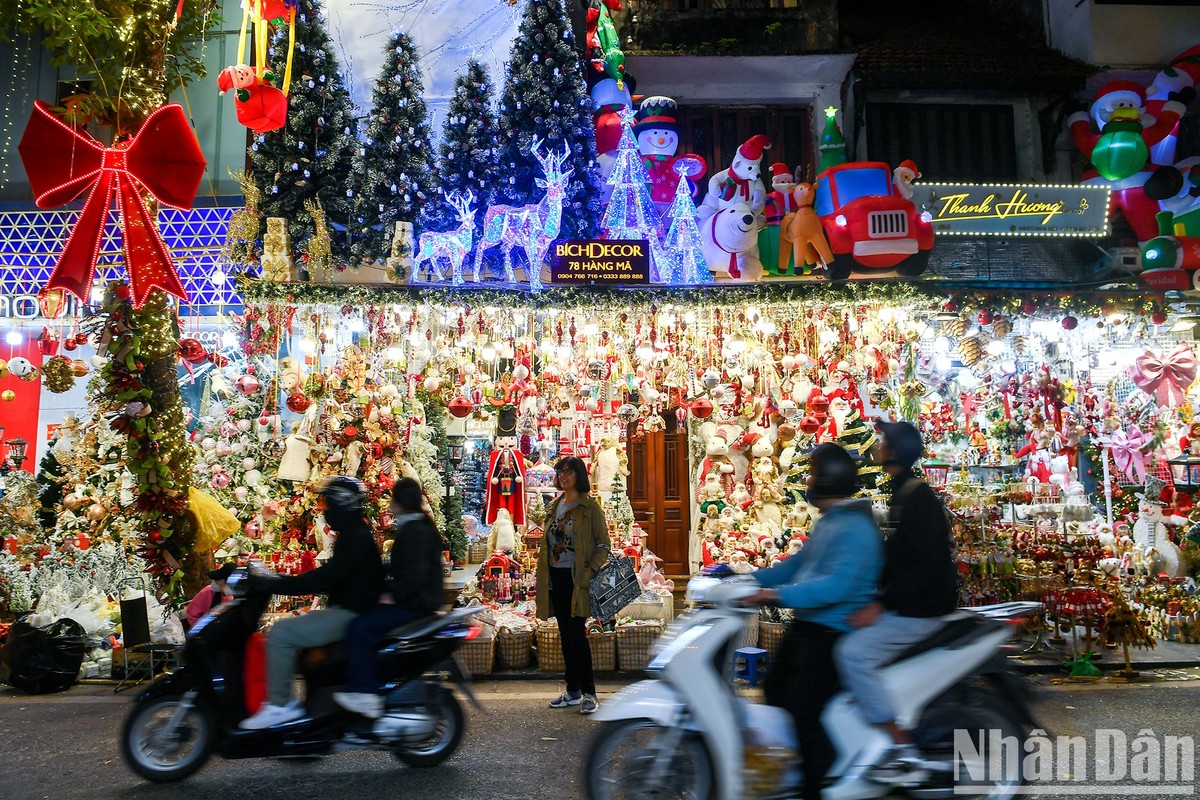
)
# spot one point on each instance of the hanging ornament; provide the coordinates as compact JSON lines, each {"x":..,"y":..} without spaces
{"x":702,"y":407}
{"x":459,"y":407}
{"x":163,"y":159}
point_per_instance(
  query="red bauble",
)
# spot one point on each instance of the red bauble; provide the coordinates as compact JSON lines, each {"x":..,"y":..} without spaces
{"x":985,"y":317}
{"x":122,"y":292}
{"x":810,"y":425}
{"x":191,"y":351}
{"x":459,"y":407}
{"x":81,"y":338}
{"x":297,"y":402}
{"x":818,"y":405}
{"x":1029,"y":308}
{"x":1159,"y":317}
{"x":69,"y":344}
{"x":951,"y":306}
{"x":702,"y":407}
{"x":1070,"y":323}
{"x":154,"y":537}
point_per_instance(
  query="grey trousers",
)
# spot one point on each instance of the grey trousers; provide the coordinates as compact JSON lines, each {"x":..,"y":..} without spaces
{"x":859,"y":653}
{"x":295,"y":633}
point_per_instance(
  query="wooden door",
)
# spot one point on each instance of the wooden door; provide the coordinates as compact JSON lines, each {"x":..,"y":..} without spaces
{"x":659,"y":492}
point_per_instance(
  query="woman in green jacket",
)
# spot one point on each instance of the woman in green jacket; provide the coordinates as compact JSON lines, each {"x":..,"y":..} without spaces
{"x":575,"y":547}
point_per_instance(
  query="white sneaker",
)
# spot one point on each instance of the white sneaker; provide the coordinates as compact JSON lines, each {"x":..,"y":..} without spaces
{"x":269,"y":715}
{"x":368,"y":705}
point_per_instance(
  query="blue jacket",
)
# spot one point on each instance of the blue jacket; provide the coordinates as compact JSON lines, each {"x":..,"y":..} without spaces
{"x":837,"y":572}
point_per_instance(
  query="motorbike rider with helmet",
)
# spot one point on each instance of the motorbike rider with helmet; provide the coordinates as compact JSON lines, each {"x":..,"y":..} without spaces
{"x":919,"y":586}
{"x":352,"y":579}
{"x":831,"y":578}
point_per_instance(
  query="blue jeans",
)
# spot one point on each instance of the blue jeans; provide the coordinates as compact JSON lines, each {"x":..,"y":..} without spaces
{"x":363,"y":638}
{"x":861,"y":653}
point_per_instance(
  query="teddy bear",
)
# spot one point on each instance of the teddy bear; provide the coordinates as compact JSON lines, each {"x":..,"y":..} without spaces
{"x":609,"y":468}
{"x":290,"y":375}
{"x":739,"y":182}
{"x":729,"y":243}
{"x":1060,"y":472}
{"x":717,"y":461}
{"x":763,"y":470}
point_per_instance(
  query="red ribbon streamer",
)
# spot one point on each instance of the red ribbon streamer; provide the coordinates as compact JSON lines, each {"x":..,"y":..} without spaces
{"x":163,"y":158}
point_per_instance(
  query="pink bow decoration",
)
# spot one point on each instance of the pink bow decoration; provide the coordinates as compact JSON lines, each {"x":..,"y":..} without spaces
{"x":1166,"y":378}
{"x":1126,"y":449}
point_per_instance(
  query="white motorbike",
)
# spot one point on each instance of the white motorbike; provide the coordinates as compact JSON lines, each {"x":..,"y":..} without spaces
{"x":687,"y":733}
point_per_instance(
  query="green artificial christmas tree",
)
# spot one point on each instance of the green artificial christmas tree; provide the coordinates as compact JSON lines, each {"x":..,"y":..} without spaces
{"x":858,"y":438}
{"x":469,"y":149}
{"x":394,"y":168}
{"x":545,"y":98}
{"x":310,"y":157}
{"x":833,"y":144}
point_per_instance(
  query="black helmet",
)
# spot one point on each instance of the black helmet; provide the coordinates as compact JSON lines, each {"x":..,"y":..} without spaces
{"x":834,"y":473}
{"x":904,"y":441}
{"x":344,"y":497}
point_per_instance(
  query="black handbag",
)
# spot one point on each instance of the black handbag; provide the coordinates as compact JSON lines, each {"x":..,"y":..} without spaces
{"x":614,"y":586}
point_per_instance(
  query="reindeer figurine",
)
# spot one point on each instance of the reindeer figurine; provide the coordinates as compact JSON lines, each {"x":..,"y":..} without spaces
{"x":532,"y":227}
{"x":450,"y":245}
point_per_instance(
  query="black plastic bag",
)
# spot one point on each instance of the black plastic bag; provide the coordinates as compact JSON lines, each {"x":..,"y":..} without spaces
{"x":43,"y":660}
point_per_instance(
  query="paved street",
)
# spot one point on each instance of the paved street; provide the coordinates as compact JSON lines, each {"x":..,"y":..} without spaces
{"x":65,"y":746}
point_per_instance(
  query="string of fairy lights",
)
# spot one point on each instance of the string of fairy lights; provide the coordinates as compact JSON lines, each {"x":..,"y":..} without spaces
{"x":15,"y":86}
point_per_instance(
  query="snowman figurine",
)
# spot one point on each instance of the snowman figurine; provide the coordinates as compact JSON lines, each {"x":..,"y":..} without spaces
{"x":657,"y":135}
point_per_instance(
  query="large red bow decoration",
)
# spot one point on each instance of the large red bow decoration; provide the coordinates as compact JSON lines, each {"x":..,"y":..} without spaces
{"x":1167,"y":378}
{"x":163,"y":158}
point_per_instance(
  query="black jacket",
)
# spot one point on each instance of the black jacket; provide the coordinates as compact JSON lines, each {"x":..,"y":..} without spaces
{"x":415,"y":576}
{"x":920,"y":578}
{"x":352,"y":577}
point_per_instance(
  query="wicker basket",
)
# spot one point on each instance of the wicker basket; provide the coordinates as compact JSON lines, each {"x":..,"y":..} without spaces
{"x":514,"y":649}
{"x":749,"y":637}
{"x":477,"y":553}
{"x":604,"y":651}
{"x":477,"y":655}
{"x":769,"y":634}
{"x":633,"y":645}
{"x":549,"y":650}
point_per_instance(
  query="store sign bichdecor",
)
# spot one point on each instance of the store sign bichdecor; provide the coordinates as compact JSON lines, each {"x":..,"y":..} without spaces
{"x":625,"y":261}
{"x":1012,"y":210}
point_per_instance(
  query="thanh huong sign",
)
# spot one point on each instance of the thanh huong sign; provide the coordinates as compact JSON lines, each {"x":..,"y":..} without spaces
{"x":1014,"y":210}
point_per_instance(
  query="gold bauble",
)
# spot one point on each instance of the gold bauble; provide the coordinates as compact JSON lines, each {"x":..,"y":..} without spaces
{"x":8,"y":396}
{"x":3,"y":369}
{"x":80,"y":367}
{"x":96,"y":512}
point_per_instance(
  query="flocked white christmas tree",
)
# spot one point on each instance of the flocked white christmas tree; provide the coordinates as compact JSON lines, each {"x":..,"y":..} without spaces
{"x":684,"y":257}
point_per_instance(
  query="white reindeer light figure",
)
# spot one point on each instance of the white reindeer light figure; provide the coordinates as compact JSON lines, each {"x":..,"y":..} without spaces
{"x":531,"y":227}
{"x":450,"y":245}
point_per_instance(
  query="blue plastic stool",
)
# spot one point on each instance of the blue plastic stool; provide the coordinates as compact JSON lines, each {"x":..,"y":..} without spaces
{"x":749,"y":671}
